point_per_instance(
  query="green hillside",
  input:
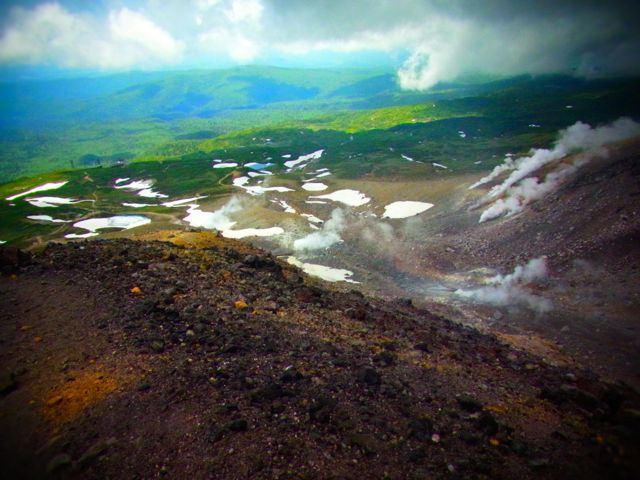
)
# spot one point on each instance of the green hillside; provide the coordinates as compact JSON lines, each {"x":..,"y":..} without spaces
{"x":63,"y":124}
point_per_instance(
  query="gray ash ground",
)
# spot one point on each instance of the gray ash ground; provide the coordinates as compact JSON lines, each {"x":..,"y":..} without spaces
{"x":125,"y":359}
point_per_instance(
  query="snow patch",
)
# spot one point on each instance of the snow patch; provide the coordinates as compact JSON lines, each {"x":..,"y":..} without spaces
{"x":253,"y":232}
{"x":304,"y":158}
{"x":81,"y":235}
{"x":314,"y":187}
{"x":258,"y":190}
{"x":53,"y":202}
{"x":139,"y":205}
{"x":136,"y":185}
{"x":325,"y":273}
{"x":312,"y":218}
{"x":353,"y":198}
{"x":151,"y":193}
{"x":240,"y":181}
{"x":39,"y":188}
{"x":143,"y":187}
{"x":405,"y":209}
{"x":287,"y":208}
{"x":124,"y":222}
{"x":184,"y":201}
{"x":47,"y":218}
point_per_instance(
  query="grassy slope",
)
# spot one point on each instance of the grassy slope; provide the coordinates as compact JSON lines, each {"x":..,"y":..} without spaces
{"x":169,"y":116}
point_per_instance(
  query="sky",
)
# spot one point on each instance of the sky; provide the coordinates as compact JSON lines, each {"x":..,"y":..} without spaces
{"x":427,"y":41}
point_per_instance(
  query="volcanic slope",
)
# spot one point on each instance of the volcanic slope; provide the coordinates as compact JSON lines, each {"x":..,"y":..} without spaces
{"x":587,"y":230}
{"x":206,"y":358}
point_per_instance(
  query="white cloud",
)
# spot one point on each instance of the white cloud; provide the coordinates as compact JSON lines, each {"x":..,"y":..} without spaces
{"x":135,"y":29}
{"x":249,"y":11}
{"x":206,"y":4}
{"x":367,"y":40}
{"x":230,"y":42}
{"x":50,"y":34}
{"x":443,"y":39}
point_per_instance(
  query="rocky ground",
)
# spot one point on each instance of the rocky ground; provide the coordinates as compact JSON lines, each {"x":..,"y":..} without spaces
{"x":205,"y":358}
{"x":589,"y":232}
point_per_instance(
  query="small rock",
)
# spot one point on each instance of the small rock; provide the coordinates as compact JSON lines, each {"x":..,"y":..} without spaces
{"x":358,"y":313}
{"x":417,"y":454}
{"x":369,"y":376}
{"x":268,"y":393}
{"x":251,"y":261}
{"x":95,"y":451}
{"x":238,"y":425}
{"x":572,"y":393}
{"x":421,"y":428}
{"x":539,"y":463}
{"x":386,"y":358}
{"x":240,"y":304}
{"x":321,"y":408}
{"x":367,"y":443}
{"x":143,"y":386}
{"x":8,"y":383}
{"x":487,"y":423}
{"x":11,"y":259}
{"x":469,"y":404}
{"x":53,"y":401}
{"x":291,"y":375}
{"x":59,"y":462}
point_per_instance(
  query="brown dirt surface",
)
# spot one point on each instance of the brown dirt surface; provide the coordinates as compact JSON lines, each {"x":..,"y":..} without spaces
{"x":206,"y":358}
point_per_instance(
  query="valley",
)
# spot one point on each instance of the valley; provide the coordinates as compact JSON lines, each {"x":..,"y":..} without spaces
{"x":507,"y":207}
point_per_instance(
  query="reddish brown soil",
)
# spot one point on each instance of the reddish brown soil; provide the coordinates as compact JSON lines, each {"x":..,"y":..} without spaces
{"x":208,"y":359}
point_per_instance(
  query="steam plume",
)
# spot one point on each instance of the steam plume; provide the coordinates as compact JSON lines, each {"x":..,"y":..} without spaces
{"x":518,"y":190}
{"x":512,"y":289}
{"x":218,"y":220}
{"x":327,"y":236}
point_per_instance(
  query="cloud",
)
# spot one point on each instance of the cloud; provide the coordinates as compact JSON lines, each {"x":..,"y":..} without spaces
{"x":50,"y":34}
{"x":230,"y":42}
{"x":517,"y":190}
{"x":249,"y":11}
{"x":439,"y":40}
{"x":513,"y":289}
{"x":137,"y":31}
